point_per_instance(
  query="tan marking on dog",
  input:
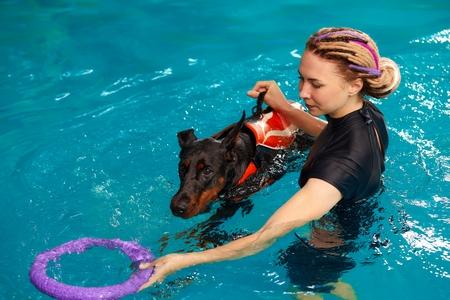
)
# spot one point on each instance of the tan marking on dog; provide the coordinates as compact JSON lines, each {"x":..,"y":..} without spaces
{"x":208,"y":195}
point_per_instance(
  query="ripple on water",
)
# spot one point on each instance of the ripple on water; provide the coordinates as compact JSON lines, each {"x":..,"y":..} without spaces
{"x":134,"y":81}
{"x":441,"y":37}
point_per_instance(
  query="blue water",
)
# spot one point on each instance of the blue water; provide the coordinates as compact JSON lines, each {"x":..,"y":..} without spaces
{"x":92,"y":94}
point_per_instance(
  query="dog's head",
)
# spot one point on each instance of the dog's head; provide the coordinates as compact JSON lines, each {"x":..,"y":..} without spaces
{"x":205,"y":168}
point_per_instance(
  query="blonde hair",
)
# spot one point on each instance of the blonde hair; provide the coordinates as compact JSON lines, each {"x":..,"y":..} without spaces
{"x":357,"y":56}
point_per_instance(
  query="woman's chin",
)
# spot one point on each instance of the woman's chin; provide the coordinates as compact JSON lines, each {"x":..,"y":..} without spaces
{"x":315,"y":112}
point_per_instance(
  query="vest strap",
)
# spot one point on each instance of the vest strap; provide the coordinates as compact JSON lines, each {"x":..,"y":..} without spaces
{"x":251,"y":169}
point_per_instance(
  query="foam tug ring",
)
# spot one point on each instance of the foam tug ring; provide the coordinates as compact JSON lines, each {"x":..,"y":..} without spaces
{"x":59,"y":290}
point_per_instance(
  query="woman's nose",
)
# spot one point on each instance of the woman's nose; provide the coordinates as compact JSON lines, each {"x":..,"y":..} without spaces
{"x":304,"y":92}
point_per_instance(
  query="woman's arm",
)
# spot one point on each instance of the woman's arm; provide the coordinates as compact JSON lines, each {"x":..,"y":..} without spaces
{"x":314,"y":200}
{"x":275,"y":98}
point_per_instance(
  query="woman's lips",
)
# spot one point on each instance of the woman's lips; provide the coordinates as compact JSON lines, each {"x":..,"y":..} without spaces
{"x":310,"y":106}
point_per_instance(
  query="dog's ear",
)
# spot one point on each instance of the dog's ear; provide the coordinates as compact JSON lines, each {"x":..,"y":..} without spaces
{"x":186,"y":137}
{"x":230,"y":140}
{"x":230,"y":156}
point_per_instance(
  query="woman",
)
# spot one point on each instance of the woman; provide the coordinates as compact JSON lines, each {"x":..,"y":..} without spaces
{"x":338,"y":68}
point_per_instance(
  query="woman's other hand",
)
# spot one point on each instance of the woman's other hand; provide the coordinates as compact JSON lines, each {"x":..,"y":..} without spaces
{"x":274,"y":96}
{"x":164,"y":266}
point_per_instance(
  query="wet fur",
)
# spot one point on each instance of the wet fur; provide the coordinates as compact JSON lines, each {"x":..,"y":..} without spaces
{"x":228,"y":152}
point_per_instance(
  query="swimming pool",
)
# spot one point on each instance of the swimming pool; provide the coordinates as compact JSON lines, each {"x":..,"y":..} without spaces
{"x":92,"y":94}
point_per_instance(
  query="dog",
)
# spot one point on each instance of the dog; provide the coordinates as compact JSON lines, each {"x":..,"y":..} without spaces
{"x":236,"y":162}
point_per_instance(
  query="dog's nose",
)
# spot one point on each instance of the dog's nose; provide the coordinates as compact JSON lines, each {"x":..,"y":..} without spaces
{"x":178,"y":210}
{"x":180,"y":206}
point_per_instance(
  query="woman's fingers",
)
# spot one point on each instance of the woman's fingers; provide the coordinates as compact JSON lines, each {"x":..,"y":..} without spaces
{"x":260,"y":86}
{"x":274,"y":96}
{"x":145,"y":265}
{"x":153,"y":279}
{"x":253,"y":94}
{"x":163,"y":267}
{"x":158,"y":274}
{"x":148,"y":265}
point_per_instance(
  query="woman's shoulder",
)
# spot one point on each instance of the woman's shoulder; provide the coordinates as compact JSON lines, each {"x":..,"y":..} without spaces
{"x":357,"y":124}
{"x":352,"y":138}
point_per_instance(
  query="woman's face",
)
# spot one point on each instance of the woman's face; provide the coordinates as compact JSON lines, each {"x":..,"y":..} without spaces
{"x":322,"y":87}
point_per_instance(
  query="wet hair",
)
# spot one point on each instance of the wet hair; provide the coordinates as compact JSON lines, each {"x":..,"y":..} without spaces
{"x":356,"y":56}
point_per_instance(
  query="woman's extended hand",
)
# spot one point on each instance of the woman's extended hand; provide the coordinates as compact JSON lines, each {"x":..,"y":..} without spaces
{"x":164,"y":266}
{"x":274,"y":96}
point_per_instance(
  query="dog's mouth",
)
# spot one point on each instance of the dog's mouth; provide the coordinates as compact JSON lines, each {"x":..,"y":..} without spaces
{"x":186,"y":206}
{"x":187,"y":214}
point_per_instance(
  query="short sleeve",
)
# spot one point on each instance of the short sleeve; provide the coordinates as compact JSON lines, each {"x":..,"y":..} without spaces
{"x":343,"y":173}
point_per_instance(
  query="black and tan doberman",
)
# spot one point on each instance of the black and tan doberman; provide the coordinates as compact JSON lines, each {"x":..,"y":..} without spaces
{"x":231,"y":164}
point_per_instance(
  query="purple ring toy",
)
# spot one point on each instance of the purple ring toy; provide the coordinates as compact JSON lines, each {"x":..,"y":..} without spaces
{"x":63,"y":291}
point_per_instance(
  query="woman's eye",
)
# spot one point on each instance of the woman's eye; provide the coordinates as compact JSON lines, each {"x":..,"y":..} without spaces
{"x":313,"y":83}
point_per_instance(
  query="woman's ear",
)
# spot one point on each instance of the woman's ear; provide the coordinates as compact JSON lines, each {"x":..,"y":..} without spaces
{"x":355,"y":86}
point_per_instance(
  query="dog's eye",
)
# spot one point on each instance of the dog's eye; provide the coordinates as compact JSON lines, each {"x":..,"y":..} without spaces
{"x":207,"y":171}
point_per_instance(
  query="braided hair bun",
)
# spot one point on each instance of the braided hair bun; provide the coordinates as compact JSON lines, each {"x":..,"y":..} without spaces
{"x":357,"y":56}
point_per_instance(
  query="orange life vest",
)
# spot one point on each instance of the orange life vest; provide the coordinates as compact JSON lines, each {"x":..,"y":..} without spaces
{"x":273,"y":130}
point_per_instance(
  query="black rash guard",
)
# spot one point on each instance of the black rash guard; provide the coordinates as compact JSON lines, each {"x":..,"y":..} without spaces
{"x":346,"y":153}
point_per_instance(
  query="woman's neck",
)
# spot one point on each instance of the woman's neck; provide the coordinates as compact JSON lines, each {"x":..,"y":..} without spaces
{"x":354,"y":103}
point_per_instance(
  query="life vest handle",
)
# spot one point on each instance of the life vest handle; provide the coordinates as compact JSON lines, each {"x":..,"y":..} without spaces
{"x":257,"y":110}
